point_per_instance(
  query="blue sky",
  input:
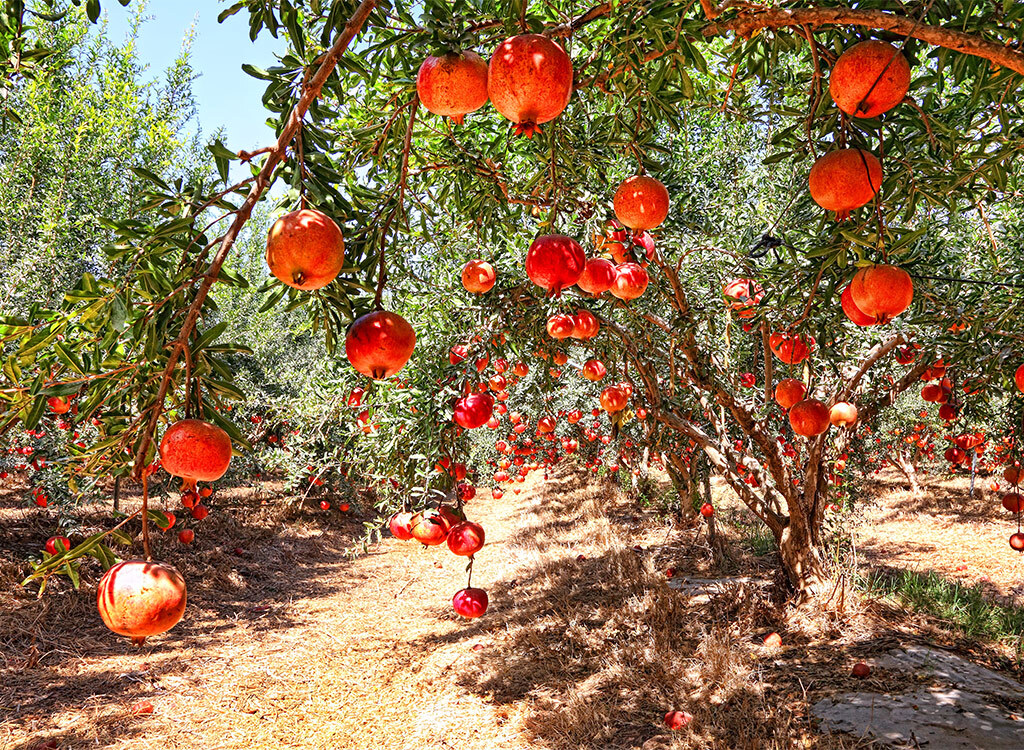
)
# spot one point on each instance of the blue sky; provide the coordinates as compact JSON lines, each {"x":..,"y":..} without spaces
{"x":226,"y":96}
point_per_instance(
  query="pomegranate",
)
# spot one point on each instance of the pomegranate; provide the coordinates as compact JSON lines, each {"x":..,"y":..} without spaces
{"x":195,"y":450}
{"x":869,"y":79}
{"x":860,"y":670}
{"x":641,"y":202}
{"x":586,"y":325}
{"x":530,"y":81}
{"x":139,"y":599}
{"x":305,"y":249}
{"x":809,"y":417}
{"x":521,"y":369}
{"x":630,"y":281}
{"x":773,"y":640}
{"x":613,"y":399}
{"x":478,"y":276}
{"x":1017,"y":541}
{"x":791,"y":348}
{"x":844,"y":180}
{"x":57,"y":544}
{"x":400,"y":525}
{"x":186,"y":536}
{"x":598,"y":276}
{"x":380,"y":343}
{"x":1018,"y":378}
{"x":474,"y":410}
{"x":852,"y":311}
{"x":743,"y":295}
{"x":843,"y":414}
{"x":470,"y":602}
{"x":555,"y":262}
{"x":466,"y":538}
{"x":594,"y":370}
{"x":707,"y":510}
{"x":429,"y":528}
{"x":560,"y":358}
{"x":882,"y":292}
{"x":1013,"y":502}
{"x":789,"y":392}
{"x":561,"y":326}
{"x":58,"y":404}
{"x":453,"y":85}
{"x":677,"y":719}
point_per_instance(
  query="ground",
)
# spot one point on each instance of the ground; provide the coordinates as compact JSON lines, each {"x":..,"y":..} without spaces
{"x":290,"y":641}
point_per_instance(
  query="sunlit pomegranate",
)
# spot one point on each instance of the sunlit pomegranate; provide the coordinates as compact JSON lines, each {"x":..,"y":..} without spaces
{"x":474,"y":410}
{"x":594,"y":370}
{"x":1018,"y":378}
{"x":586,"y":325}
{"x":380,"y":343}
{"x":195,"y":450}
{"x":138,"y":599}
{"x":613,"y":399}
{"x":809,"y":417}
{"x":882,"y":292}
{"x":789,"y":392}
{"x":547,"y":423}
{"x":598,"y":276}
{"x":844,"y":180}
{"x":400,"y":525}
{"x":677,"y":719}
{"x":466,"y":538}
{"x":305,"y":249}
{"x":530,"y":81}
{"x":561,"y":326}
{"x":791,"y":348}
{"x":555,"y":262}
{"x":843,"y":414}
{"x":470,"y":602}
{"x":429,"y":528}
{"x":641,"y":202}
{"x":478,"y":276}
{"x":869,"y":79}
{"x":630,"y":281}
{"x":743,"y":296}
{"x":453,"y":85}
{"x":1017,"y":541}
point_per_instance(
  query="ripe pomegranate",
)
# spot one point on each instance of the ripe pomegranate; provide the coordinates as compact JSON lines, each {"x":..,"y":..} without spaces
{"x":844,"y":180}
{"x":453,"y":85}
{"x":854,"y":313}
{"x":560,"y":358}
{"x":869,"y":79}
{"x":1013,"y":475}
{"x":748,"y":380}
{"x":58,"y":404}
{"x":1017,"y":541}
{"x":429,"y":528}
{"x":1013,"y":501}
{"x":586,"y":325}
{"x":677,"y":719}
{"x":789,"y":392}
{"x":630,"y":281}
{"x":555,"y":262}
{"x":305,"y":249}
{"x":478,"y":276}
{"x":773,"y":640}
{"x":474,"y":410}
{"x":561,"y":326}
{"x":594,"y":370}
{"x":400,"y":525}
{"x":497,"y":383}
{"x":379,"y":344}
{"x":470,"y":602}
{"x":598,"y":276}
{"x":791,"y":348}
{"x":707,"y":510}
{"x":743,"y":295}
{"x":186,"y":536}
{"x":906,"y":355}
{"x":195,"y":450}
{"x":809,"y":417}
{"x":139,"y":599}
{"x":882,"y":292}
{"x":613,"y":399}
{"x":521,"y":369}
{"x":843,"y":414}
{"x":861,"y":670}
{"x":466,"y":538}
{"x":530,"y":81}
{"x":458,"y":354}
{"x":641,"y":202}
{"x":57,"y":544}
{"x":1018,"y":378}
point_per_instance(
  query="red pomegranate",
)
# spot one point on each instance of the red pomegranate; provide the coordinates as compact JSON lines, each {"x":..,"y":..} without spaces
{"x":380,"y":343}
{"x":869,"y":79}
{"x":478,"y":276}
{"x":521,"y":369}
{"x":139,"y":599}
{"x":400,"y":525}
{"x":630,"y":281}
{"x":882,"y":292}
{"x":530,"y":81}
{"x":586,"y":325}
{"x":791,"y":348}
{"x":809,"y":417}
{"x":789,"y":392}
{"x":843,"y":414}
{"x":844,"y":180}
{"x":594,"y":370}
{"x":58,"y":404}
{"x":860,"y":670}
{"x":743,"y":295}
{"x":305,"y":249}
{"x":474,"y":410}
{"x":195,"y":450}
{"x":453,"y":85}
{"x":677,"y":719}
{"x":561,"y":326}
{"x":1017,"y":541}
{"x":707,"y":510}
{"x":57,"y":544}
{"x":852,"y":311}
{"x":555,"y":262}
{"x":598,"y":276}
{"x":641,"y":202}
{"x":906,"y":355}
{"x":1013,"y":502}
{"x":466,"y":538}
{"x":1018,"y":378}
{"x":560,"y":358}
{"x":613,"y":399}
{"x":429,"y":528}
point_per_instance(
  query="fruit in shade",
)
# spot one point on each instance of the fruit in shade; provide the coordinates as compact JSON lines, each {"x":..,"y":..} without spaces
{"x":429,"y":527}
{"x":529,"y":81}
{"x":598,"y":276}
{"x":850,"y":309}
{"x":555,"y":262}
{"x":453,"y":85}
{"x":561,"y":326}
{"x":186,"y":536}
{"x":791,"y":348}
{"x":882,"y":292}
{"x":641,"y":202}
{"x":379,"y":344}
{"x":861,"y":670}
{"x":470,"y":602}
{"x":399,"y":525}
{"x":466,"y":538}
{"x":869,"y":79}
{"x":1018,"y":378}
{"x":613,"y":399}
{"x":677,"y":719}
{"x":1013,"y":502}
{"x":1017,"y":541}
{"x":474,"y":410}
{"x":324,"y":505}
{"x":789,"y":392}
{"x":844,"y":180}
{"x":305,"y":249}
{"x":743,"y":296}
{"x":631,"y":281}
{"x":809,"y":417}
{"x":139,"y":599}
{"x":57,"y":544}
{"x":195,"y":450}
{"x":478,"y":276}
{"x":843,"y":414}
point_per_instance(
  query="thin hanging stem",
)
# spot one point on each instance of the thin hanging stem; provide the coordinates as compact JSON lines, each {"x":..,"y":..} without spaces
{"x":382,"y":273}
{"x":145,"y":517}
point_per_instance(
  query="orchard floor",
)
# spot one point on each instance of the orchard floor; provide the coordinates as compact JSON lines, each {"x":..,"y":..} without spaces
{"x":289,"y":642}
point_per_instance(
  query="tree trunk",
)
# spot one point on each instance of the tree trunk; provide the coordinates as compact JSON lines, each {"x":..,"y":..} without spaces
{"x":906,"y":465}
{"x":802,"y":561}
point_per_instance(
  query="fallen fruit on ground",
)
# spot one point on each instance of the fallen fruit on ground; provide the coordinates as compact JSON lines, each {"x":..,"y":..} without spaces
{"x":677,"y":719}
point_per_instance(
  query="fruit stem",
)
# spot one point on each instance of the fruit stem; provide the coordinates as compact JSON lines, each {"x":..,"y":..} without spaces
{"x":145,"y":517}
